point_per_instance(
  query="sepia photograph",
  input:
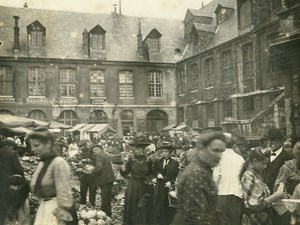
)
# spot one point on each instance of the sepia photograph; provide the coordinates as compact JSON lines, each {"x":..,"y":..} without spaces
{"x":150,"y":112}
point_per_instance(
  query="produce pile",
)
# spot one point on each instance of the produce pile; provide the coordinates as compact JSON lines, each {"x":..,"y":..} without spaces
{"x":92,"y":216}
{"x":87,"y":214}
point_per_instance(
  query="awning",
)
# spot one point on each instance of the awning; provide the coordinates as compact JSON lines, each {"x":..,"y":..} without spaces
{"x":7,"y":120}
{"x":169,"y":127}
{"x":181,"y":127}
{"x":98,"y":128}
{"x":86,"y":127}
{"x":92,"y":128}
{"x":57,"y":125}
{"x":14,"y":130}
{"x":76,"y":127}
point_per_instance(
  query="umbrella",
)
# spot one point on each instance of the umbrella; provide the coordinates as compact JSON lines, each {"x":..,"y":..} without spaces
{"x":7,"y":120}
{"x":56,"y":125}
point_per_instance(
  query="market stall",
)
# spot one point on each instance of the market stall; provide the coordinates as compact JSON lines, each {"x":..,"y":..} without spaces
{"x":91,"y":131}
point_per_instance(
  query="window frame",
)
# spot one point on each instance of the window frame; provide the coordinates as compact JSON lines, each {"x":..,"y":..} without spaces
{"x":99,"y":84}
{"x":7,"y":85}
{"x":154,"y":44}
{"x":126,"y":87}
{"x":194,"y":77}
{"x":38,"y":71}
{"x":248,"y":61}
{"x":155,"y":84}
{"x":100,"y":41}
{"x":68,"y":84}
{"x":226,"y":62}
{"x":209,"y":74}
{"x":181,"y":81}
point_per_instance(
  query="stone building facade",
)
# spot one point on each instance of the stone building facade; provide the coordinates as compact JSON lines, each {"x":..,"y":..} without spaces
{"x":89,"y":68}
{"x":229,"y":76}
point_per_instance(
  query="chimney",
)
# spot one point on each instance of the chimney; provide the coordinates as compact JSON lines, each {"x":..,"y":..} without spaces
{"x":115,"y":8}
{"x":16,"y":46}
{"x":85,"y":42}
{"x":120,"y":7}
{"x":139,"y":39}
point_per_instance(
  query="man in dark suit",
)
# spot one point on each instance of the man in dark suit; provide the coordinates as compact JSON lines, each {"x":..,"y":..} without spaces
{"x":11,"y":175}
{"x":278,"y":157}
{"x":104,"y":177}
{"x":166,"y":171}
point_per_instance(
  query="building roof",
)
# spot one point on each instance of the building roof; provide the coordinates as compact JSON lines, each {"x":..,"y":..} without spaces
{"x":64,"y":33}
{"x":224,"y":32}
{"x":205,"y":27}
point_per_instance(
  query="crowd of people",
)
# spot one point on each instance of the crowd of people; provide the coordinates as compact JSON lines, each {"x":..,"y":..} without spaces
{"x":212,"y":178}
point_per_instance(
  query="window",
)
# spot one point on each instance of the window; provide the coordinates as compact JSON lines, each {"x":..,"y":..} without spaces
{"x":97,"y":38}
{"x":249,"y":104}
{"x":155,"y":84}
{"x":154,"y":44}
{"x":68,"y":117}
{"x":37,"y":115}
{"x":226,"y":67}
{"x":98,"y":116}
{"x":181,"y":81}
{"x":36,"y":37}
{"x":6,"y":81}
{"x":97,"y":81}
{"x":196,"y":39}
{"x":67,"y":82}
{"x":194,"y":77}
{"x":97,"y":41}
{"x":209,"y":72}
{"x":36,"y":34}
{"x":248,"y":64}
{"x":153,"y":40}
{"x":126,"y":83}
{"x":36,"y":81}
{"x":228,"y":109}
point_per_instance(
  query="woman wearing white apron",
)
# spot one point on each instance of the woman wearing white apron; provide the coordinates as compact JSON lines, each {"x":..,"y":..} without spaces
{"x":51,"y":182}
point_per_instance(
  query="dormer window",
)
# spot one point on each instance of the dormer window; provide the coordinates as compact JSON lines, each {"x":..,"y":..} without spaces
{"x":36,"y":34}
{"x":97,"y":38}
{"x":154,"y":40}
{"x":222,"y":13}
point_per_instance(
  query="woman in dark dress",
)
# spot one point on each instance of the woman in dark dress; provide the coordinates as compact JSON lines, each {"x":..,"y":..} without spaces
{"x":138,"y":197}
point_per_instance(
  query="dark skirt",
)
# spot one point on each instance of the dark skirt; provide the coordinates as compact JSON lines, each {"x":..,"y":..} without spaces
{"x":138,"y":203}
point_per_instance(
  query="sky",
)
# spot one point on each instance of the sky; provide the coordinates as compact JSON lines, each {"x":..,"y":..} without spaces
{"x":174,"y":9}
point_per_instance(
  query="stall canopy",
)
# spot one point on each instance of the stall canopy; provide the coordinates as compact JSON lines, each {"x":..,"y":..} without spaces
{"x":56,"y":125}
{"x":86,"y":131}
{"x":99,"y":128}
{"x":181,"y":127}
{"x":169,"y":127}
{"x":8,"y":131}
{"x":76,"y":127}
{"x":7,"y":120}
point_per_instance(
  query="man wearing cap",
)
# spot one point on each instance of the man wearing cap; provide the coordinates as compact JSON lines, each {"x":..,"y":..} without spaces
{"x":278,"y":157}
{"x":226,"y":174}
{"x":104,"y":177}
{"x":166,"y":171}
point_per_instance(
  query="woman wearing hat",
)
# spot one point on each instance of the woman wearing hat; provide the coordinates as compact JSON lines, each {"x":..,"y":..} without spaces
{"x":166,"y":171}
{"x":51,"y":182}
{"x":137,"y":169}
